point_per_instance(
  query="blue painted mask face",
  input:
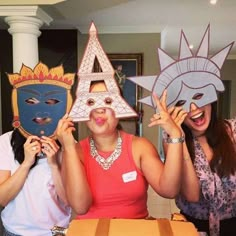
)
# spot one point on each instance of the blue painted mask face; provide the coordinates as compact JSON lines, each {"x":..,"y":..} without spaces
{"x":40,"y":108}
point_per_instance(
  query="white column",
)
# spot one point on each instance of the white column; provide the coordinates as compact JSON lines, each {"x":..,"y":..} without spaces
{"x":25,"y":33}
{"x":24,"y":22}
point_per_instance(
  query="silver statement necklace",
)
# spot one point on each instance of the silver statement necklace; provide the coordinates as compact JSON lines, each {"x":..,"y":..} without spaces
{"x":106,"y":163}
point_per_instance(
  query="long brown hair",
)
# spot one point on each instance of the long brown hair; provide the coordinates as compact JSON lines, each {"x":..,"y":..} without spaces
{"x":219,"y":136}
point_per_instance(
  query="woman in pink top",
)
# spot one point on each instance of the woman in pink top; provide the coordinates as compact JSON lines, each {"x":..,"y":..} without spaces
{"x":119,"y":166}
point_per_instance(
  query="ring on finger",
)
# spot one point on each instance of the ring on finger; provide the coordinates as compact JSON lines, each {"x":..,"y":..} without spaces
{"x":158,"y":116}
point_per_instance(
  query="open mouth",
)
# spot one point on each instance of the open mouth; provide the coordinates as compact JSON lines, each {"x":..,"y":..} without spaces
{"x":42,"y":121}
{"x":198,"y":119}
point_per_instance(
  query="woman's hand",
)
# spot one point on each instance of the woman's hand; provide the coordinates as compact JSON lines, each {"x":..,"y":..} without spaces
{"x":169,"y":119}
{"x":50,"y":148}
{"x":32,"y":147}
{"x":64,"y":131}
{"x":177,"y":114}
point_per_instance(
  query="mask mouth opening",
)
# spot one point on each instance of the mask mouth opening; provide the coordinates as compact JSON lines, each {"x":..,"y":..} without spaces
{"x":42,"y":120}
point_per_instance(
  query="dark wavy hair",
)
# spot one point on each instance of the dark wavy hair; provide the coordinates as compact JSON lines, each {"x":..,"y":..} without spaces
{"x":17,"y":143}
{"x":219,"y":136}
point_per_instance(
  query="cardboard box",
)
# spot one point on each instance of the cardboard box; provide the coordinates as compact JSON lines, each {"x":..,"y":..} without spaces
{"x":126,"y":227}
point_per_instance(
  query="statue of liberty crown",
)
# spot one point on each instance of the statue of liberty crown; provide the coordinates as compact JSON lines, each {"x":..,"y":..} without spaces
{"x":42,"y":74}
{"x":187,"y":63}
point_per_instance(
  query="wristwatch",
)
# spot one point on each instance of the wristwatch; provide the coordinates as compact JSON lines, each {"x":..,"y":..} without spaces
{"x":175,"y":140}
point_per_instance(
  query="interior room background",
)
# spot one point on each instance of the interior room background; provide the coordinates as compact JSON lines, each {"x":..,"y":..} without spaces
{"x":67,"y":47}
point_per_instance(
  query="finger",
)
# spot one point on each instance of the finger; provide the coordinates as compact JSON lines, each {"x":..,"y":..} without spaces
{"x":32,"y":149}
{"x":163,"y":99}
{"x":31,"y":138}
{"x":63,"y":126}
{"x":158,"y":103}
{"x":53,"y":146}
{"x":60,"y":122}
{"x":176,"y":111}
{"x":49,"y":150}
{"x":170,"y":110}
{"x":155,"y":120}
{"x":49,"y":143}
{"x":63,"y":119}
{"x":65,"y":116}
{"x":153,"y":123}
{"x":183,"y":115}
{"x":66,"y":124}
{"x":183,"y":112}
{"x":32,"y":144}
{"x":156,"y":116}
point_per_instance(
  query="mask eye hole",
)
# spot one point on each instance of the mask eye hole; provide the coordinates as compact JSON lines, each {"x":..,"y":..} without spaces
{"x":90,"y":102}
{"x":198,"y":96}
{"x":52,"y":101}
{"x":180,"y":103}
{"x":32,"y":101}
{"x":108,"y":101}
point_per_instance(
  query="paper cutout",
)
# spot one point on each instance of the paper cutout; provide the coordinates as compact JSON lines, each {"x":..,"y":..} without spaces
{"x":189,"y":79}
{"x":85,"y":100}
{"x":40,"y":97}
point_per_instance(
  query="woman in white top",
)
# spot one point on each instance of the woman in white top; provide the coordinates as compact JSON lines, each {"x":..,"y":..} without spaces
{"x":31,"y":189}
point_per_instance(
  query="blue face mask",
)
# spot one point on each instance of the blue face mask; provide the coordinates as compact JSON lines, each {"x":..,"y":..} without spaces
{"x":40,"y":108}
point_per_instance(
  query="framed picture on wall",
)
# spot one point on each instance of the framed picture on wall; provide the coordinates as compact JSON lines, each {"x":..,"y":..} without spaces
{"x":126,"y":65}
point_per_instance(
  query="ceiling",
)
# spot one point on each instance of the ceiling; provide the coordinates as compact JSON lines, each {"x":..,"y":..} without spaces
{"x":167,"y":17}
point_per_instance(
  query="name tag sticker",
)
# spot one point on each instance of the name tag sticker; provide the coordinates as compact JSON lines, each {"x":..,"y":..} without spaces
{"x":130,"y":176}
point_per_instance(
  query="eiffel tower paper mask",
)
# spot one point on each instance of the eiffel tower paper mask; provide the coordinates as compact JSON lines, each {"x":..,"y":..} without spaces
{"x":189,"y":79}
{"x":85,"y":100}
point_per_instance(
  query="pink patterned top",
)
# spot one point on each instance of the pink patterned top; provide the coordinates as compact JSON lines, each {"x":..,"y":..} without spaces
{"x":218,"y":195}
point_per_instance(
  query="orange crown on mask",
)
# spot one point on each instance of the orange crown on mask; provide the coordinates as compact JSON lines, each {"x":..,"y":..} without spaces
{"x":42,"y":74}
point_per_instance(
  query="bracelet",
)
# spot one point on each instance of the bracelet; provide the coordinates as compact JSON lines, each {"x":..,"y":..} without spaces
{"x":175,"y":140}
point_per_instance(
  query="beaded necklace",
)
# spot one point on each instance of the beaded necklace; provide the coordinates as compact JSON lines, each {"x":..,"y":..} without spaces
{"x":106,"y":163}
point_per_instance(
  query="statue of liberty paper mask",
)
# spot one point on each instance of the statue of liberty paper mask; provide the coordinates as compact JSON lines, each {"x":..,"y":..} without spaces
{"x":87,"y":101}
{"x":189,"y":79}
{"x":40,"y":97}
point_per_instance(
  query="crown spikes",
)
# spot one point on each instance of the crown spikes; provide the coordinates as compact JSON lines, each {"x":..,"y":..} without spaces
{"x":220,"y":57}
{"x":203,"y":49}
{"x":164,"y":59}
{"x":41,"y":73}
{"x":184,"y":51}
{"x":147,"y":100}
{"x":146,"y":82}
{"x":197,"y":72}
